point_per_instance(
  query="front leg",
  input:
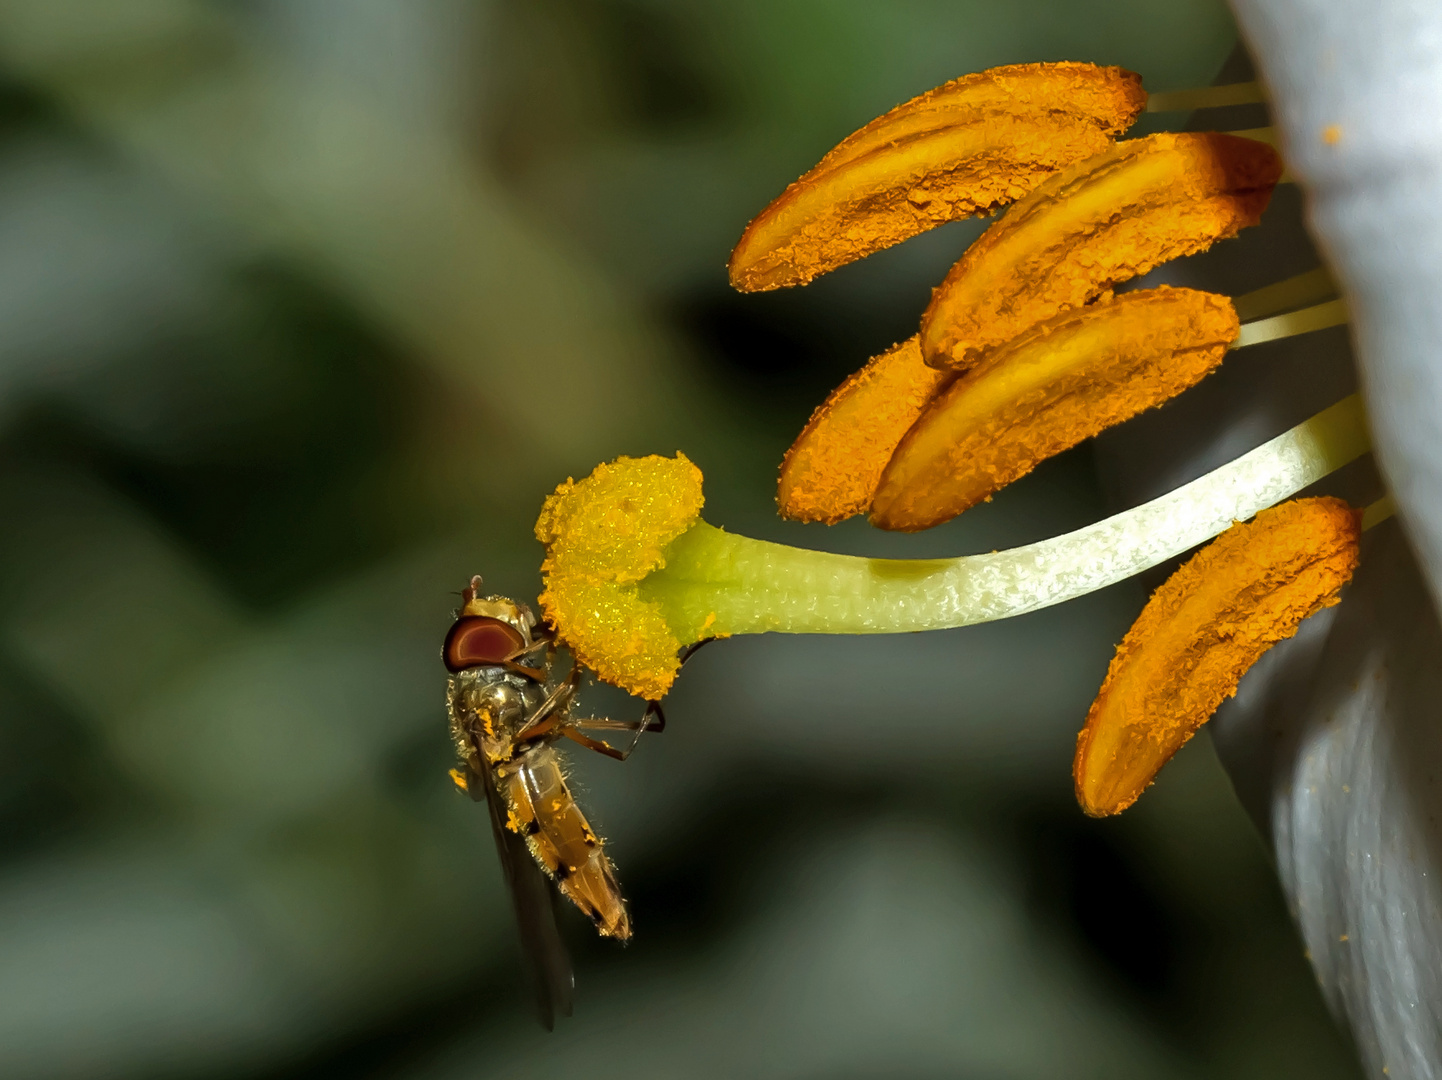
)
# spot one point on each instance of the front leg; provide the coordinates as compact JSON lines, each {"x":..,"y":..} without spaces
{"x":541,"y":674}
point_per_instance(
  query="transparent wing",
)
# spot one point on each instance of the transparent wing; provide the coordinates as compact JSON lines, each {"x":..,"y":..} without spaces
{"x":548,"y":965}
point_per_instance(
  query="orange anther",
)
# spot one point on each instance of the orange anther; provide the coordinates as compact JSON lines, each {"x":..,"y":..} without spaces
{"x":1046,"y":390}
{"x":965,"y":148}
{"x":831,"y":471}
{"x":1100,"y":222}
{"x":1198,"y":635}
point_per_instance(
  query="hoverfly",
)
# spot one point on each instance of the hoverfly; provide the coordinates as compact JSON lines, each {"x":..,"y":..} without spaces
{"x":506,"y":717}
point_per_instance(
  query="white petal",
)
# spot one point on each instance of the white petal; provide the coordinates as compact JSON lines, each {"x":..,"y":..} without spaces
{"x":1356,"y":89}
{"x":1333,"y":742}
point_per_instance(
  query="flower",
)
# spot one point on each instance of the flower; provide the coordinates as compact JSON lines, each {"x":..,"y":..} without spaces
{"x":1201,"y":632}
{"x":1333,"y":738}
{"x":988,"y":354}
{"x":1034,"y":354}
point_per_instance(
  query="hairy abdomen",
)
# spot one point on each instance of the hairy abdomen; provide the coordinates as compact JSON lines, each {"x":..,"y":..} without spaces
{"x":544,"y":811}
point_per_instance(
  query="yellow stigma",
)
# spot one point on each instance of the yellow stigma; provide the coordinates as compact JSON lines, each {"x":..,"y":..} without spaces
{"x":602,"y":536}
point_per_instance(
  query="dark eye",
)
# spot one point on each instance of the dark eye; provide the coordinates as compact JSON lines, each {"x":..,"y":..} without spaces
{"x":476,"y":640}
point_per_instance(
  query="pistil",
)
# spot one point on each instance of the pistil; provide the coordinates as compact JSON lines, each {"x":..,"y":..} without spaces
{"x":628,"y":607}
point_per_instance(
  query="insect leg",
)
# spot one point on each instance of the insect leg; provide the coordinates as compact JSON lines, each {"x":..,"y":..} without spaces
{"x":554,"y":706}
{"x":598,"y":745}
{"x":651,"y":720}
{"x":646,"y":723}
{"x":539,"y":674}
{"x":692,"y":649}
{"x":653,"y":708}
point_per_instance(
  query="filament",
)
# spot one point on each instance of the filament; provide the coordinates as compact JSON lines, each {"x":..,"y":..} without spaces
{"x":1317,"y":317}
{"x":1288,"y":293}
{"x":1378,"y":512}
{"x":1206,"y":97}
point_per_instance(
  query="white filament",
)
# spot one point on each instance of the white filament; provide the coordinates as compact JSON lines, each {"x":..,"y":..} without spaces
{"x":780,"y":589}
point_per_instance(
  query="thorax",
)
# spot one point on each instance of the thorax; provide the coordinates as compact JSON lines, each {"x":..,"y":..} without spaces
{"x":489,"y":708}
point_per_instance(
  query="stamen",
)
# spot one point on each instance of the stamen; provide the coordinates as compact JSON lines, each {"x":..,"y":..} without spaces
{"x":1206,"y":97}
{"x":1269,"y":136}
{"x":832,"y":470}
{"x":1200,"y":633}
{"x":1048,"y":389}
{"x":1109,"y":219}
{"x":1292,"y":292}
{"x":1266,"y":135}
{"x":968,"y":147}
{"x":1318,"y":317}
{"x":1378,"y":512}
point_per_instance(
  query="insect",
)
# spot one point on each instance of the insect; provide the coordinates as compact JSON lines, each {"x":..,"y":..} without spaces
{"x":506,"y":716}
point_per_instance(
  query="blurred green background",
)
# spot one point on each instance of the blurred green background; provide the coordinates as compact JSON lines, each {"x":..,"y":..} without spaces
{"x":304,"y":306}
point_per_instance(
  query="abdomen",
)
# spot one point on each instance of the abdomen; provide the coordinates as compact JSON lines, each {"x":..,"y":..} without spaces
{"x":545,"y":812}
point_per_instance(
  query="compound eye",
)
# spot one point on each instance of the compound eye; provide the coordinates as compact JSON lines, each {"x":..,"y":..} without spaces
{"x":477,"y":639}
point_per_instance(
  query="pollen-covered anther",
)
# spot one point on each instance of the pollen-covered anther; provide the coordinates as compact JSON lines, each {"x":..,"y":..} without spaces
{"x":1063,"y":381}
{"x":1103,"y":221}
{"x":968,"y":147}
{"x":832,"y":470}
{"x":1198,"y":635}
{"x":603,"y":535}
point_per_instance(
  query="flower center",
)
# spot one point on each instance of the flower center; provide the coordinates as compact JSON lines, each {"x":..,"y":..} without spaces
{"x":1024,"y":351}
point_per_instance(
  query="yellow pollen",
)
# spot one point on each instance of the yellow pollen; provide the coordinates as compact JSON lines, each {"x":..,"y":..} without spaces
{"x":603,"y":535}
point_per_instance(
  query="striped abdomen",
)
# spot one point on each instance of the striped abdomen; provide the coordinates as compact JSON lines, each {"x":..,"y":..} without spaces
{"x":544,"y":811}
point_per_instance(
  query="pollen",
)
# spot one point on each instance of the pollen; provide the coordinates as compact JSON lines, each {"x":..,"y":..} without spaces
{"x":603,"y":535}
{"x":966,"y":148}
{"x":1100,"y":222}
{"x":832,"y":470}
{"x":1201,"y":632}
{"x":1046,"y":390}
